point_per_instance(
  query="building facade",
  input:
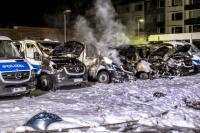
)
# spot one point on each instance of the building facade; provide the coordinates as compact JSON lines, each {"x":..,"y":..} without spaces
{"x":129,"y":14}
{"x":160,"y":16}
{"x":182,"y":16}
{"x":154,"y":16}
{"x":151,"y":11}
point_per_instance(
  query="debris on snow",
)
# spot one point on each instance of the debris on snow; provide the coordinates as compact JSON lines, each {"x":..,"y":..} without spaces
{"x":159,"y":94}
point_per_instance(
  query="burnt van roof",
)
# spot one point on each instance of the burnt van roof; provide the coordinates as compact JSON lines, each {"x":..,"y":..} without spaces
{"x":4,"y":38}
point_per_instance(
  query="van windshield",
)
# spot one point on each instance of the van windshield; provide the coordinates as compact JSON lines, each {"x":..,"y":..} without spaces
{"x":47,"y":47}
{"x":8,"y":50}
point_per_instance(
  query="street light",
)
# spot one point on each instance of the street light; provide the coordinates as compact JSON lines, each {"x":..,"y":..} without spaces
{"x":139,"y":21}
{"x":66,"y":12}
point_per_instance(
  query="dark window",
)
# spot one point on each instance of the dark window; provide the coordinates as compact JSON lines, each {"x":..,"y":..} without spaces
{"x":138,"y":7}
{"x":177,"y":29}
{"x":149,"y":5}
{"x":162,"y":30}
{"x":161,"y":3}
{"x":196,"y":28}
{"x":195,"y":1}
{"x":177,"y":16}
{"x":127,"y":9}
{"x":150,"y":18}
{"x":160,"y":18}
{"x":190,"y":28}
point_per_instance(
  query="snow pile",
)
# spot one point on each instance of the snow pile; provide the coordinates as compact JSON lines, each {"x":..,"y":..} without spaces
{"x":112,"y":107}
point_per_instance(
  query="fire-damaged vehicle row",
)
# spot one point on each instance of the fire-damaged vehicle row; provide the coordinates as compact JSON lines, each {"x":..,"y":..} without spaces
{"x":166,"y":59}
{"x":61,"y":64}
{"x":171,"y":59}
{"x":55,"y":63}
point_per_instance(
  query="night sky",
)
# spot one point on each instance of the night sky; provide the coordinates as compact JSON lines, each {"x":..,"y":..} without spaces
{"x":38,"y":12}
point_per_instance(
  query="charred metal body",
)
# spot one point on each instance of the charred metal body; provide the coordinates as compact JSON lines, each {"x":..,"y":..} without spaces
{"x":58,"y":63}
{"x":105,"y":71}
{"x":169,"y":60}
{"x":134,"y":59}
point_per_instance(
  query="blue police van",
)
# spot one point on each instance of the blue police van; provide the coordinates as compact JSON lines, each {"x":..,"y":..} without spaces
{"x":17,"y":76}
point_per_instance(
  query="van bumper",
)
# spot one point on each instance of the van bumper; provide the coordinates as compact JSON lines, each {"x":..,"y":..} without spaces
{"x":62,"y":79}
{"x":9,"y":89}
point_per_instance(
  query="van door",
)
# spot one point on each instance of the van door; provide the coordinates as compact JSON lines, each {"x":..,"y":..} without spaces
{"x":33,"y":56}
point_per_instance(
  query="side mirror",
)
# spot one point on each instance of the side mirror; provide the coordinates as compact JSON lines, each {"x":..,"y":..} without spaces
{"x":36,"y":56}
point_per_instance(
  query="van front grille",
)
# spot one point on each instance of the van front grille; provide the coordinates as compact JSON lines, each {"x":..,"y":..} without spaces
{"x":15,"y":76}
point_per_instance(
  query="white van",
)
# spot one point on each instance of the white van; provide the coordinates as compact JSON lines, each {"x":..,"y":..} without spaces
{"x":17,"y":76}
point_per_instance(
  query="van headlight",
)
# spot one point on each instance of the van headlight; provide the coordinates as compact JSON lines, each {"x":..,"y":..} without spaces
{"x":33,"y":73}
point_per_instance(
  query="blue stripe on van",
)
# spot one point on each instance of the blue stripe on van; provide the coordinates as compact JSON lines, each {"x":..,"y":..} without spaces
{"x":37,"y":68}
{"x":14,"y":66}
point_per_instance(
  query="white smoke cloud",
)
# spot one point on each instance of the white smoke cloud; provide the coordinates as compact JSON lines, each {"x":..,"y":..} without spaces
{"x":110,"y":32}
{"x":85,"y":31}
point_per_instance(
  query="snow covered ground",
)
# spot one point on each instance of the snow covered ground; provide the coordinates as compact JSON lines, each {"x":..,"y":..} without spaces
{"x":103,"y":104}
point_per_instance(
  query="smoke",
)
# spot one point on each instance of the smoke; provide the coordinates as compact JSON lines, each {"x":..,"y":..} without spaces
{"x":108,"y":32}
{"x":87,"y":33}
{"x":112,"y":31}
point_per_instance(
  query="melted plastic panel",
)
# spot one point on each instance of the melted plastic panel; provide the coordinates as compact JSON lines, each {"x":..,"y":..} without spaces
{"x":42,"y":120}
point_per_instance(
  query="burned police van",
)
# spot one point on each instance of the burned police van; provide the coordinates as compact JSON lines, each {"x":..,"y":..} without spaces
{"x":171,"y":59}
{"x":103,"y":69}
{"x":17,"y":76}
{"x":56,"y":64}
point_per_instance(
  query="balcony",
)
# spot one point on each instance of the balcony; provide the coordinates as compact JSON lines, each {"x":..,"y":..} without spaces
{"x":192,"y":6}
{"x":192,"y":21}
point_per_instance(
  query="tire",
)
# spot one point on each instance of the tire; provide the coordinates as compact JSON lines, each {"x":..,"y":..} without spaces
{"x":143,"y":76}
{"x":46,"y":82}
{"x":103,"y":77}
{"x":28,"y":94}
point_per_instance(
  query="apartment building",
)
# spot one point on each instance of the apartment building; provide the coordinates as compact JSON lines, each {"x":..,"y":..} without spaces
{"x":192,"y":16}
{"x":154,"y":16}
{"x":129,"y":13}
{"x":182,"y":16}
{"x":151,"y":11}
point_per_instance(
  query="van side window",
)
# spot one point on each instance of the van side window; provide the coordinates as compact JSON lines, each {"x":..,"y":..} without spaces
{"x":30,"y":50}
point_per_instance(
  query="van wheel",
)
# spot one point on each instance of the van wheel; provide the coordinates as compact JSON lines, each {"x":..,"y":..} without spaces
{"x":143,"y":76}
{"x":29,"y":94}
{"x":103,"y":77}
{"x":46,"y":82}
